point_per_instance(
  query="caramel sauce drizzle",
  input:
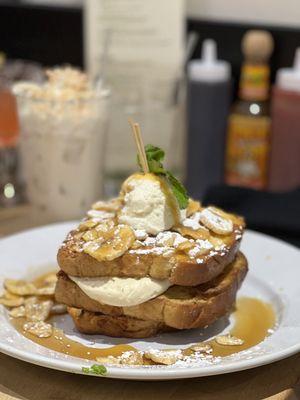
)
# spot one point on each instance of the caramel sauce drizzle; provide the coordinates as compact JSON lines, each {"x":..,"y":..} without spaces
{"x":253,"y":320}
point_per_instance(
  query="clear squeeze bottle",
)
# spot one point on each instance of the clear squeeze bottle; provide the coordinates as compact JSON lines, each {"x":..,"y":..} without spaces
{"x":209,"y":95}
{"x":285,"y":142}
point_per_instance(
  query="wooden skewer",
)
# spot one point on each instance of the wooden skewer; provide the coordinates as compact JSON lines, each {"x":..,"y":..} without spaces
{"x":139,"y":144}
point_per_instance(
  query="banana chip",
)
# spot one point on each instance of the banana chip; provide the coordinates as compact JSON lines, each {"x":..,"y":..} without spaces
{"x":215,"y":222}
{"x":20,"y":287}
{"x":164,"y":357}
{"x":12,"y":302}
{"x":201,"y":348}
{"x":40,"y":329}
{"x":228,"y":340}
{"x":17,"y":312}
{"x":37,"y":310}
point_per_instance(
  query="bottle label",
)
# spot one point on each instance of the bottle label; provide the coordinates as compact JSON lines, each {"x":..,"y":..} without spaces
{"x":254,"y":82}
{"x":247,"y":152}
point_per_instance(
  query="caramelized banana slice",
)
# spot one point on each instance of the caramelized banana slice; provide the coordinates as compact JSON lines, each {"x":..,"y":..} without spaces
{"x":117,"y":241}
{"x":193,"y":206}
{"x":215,"y":222}
{"x":86,"y":225}
{"x":201,"y":233}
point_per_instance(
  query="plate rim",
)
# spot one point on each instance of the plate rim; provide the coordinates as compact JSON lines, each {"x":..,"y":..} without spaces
{"x":159,"y":372}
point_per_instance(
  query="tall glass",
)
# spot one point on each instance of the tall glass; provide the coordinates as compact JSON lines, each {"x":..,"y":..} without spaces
{"x":62,"y":150}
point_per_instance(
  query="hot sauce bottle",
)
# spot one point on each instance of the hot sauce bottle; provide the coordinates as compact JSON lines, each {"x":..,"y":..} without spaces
{"x":248,"y":135}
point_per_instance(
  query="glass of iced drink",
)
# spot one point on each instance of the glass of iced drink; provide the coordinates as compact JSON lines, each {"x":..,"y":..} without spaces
{"x":63,"y":125}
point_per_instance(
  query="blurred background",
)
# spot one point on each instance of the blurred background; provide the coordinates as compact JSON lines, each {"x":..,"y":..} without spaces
{"x":214,"y":83}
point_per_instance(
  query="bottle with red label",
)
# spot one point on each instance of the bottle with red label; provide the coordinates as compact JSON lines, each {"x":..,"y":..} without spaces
{"x":248,"y":134}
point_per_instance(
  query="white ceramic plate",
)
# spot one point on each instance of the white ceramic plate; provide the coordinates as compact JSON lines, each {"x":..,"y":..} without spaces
{"x":274,"y":277}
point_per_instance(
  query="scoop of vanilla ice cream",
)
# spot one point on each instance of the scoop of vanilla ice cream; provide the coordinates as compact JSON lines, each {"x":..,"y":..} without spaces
{"x":149,"y":204}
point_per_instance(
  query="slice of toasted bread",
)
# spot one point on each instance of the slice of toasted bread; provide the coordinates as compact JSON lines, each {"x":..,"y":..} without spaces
{"x":179,"y":307}
{"x":177,"y":266}
{"x":96,"y":323}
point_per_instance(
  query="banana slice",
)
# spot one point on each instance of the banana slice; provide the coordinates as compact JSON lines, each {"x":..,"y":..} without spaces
{"x":116,"y":242}
{"x":201,"y":233}
{"x":193,"y":206}
{"x":215,"y":222}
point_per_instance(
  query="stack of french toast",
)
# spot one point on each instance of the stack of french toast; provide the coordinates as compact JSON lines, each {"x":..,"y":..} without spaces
{"x":145,"y":263}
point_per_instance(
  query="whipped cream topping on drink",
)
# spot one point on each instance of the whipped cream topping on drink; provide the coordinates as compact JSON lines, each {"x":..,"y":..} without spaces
{"x":149,"y":204}
{"x":63,"y":122}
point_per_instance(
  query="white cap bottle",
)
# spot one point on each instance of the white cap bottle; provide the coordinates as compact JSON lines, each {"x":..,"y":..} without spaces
{"x":289,"y":78}
{"x":208,"y":68}
{"x":209,"y":94}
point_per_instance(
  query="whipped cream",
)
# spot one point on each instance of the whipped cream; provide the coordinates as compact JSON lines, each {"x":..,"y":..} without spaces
{"x":149,"y":204}
{"x":121,"y":292}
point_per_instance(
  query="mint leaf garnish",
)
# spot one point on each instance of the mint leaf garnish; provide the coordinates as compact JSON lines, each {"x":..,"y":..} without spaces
{"x":178,"y":190}
{"x":95,"y":369}
{"x":155,"y":157}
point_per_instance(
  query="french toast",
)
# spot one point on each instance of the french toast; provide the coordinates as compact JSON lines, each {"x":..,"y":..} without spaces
{"x":152,"y":257}
{"x":150,"y":260}
{"x":179,"y":307}
{"x":122,"y":326}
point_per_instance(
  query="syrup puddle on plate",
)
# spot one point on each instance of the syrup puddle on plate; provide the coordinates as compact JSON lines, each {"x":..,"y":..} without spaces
{"x":253,"y":320}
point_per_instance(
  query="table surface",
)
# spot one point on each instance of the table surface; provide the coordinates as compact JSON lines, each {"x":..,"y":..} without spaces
{"x":20,"y":380}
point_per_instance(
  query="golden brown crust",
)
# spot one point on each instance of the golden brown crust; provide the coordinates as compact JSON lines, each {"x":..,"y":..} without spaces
{"x":179,"y":307}
{"x":179,"y":268}
{"x":122,"y":326}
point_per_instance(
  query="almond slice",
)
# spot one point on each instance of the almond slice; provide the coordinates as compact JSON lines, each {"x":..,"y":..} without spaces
{"x":228,"y":340}
{"x":117,"y":242}
{"x":215,"y":222}
{"x":40,"y":329}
